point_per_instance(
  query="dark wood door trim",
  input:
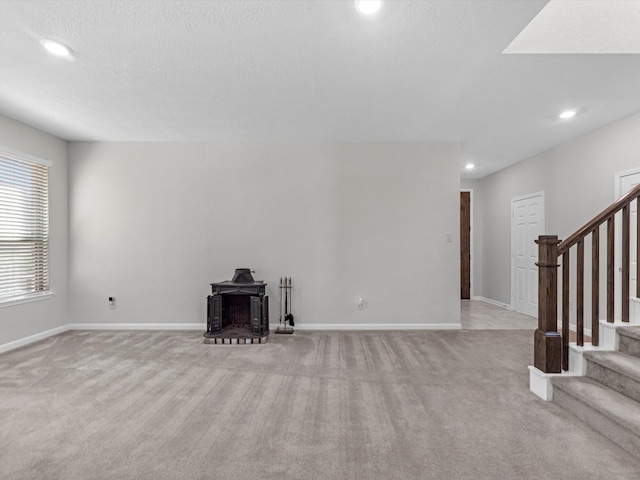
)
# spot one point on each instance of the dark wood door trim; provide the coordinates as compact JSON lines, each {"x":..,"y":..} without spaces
{"x":465,"y":245}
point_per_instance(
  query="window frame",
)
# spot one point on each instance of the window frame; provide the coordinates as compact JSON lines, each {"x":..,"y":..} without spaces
{"x":44,"y":294}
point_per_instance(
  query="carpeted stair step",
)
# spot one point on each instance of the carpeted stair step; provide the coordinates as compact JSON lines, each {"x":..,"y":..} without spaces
{"x":616,"y":370}
{"x":611,"y":413}
{"x":629,"y":340}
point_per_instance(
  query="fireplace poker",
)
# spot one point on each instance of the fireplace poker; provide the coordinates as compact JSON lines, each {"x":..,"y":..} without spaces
{"x":286,"y":301}
{"x":280,"y":303}
{"x":289,"y":316}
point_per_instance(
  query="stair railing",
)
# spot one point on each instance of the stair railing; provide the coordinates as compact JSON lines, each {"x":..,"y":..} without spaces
{"x":551,"y":349}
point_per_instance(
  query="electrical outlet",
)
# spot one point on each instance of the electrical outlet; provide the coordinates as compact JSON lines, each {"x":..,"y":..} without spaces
{"x":112,"y":302}
{"x":360,"y":304}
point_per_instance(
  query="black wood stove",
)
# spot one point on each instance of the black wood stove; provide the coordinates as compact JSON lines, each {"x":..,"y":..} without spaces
{"x":238,"y":310}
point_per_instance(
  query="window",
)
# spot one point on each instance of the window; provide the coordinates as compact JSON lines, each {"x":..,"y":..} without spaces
{"x":24,"y":226}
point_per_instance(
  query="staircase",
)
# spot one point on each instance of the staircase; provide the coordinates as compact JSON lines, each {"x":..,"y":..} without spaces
{"x":551,"y":348}
{"x":608,"y":397}
{"x":589,"y":378}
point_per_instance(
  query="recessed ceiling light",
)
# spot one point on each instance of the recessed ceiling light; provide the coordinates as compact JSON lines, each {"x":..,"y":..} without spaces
{"x":56,"y":48}
{"x":368,"y":7}
{"x":567,"y":114}
{"x":469,"y":166}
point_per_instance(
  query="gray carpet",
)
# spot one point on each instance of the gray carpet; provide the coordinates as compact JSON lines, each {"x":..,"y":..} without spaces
{"x":411,"y":405}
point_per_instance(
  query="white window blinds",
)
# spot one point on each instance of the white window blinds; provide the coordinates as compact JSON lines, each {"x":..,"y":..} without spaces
{"x":24,"y":226}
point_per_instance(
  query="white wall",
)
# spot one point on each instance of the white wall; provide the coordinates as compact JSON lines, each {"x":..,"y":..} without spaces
{"x":155,"y":223}
{"x":20,"y":321}
{"x":578,"y":180}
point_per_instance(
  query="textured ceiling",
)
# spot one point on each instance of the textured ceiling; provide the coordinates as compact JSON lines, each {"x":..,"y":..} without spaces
{"x":582,"y":26}
{"x":304,"y":71}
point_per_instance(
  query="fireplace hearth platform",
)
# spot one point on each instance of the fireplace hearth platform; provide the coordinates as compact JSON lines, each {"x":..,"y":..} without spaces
{"x":234,"y":341}
{"x":238,"y":311}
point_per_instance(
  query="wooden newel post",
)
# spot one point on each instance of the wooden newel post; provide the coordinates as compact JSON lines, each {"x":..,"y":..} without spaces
{"x":547,"y":344}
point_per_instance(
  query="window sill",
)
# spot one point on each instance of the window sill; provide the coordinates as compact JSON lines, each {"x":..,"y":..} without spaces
{"x":35,"y":297}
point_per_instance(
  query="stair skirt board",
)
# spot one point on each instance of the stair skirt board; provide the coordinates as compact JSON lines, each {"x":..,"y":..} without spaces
{"x":634,"y":310}
{"x":607,"y":331}
{"x":573,"y":328}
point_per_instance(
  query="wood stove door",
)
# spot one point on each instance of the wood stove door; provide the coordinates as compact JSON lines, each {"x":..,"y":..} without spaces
{"x":256,"y":315}
{"x":214,"y":314}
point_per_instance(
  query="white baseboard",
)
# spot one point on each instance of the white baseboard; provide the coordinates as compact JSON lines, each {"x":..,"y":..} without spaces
{"x":100,"y":326}
{"x":377,"y":326}
{"x":33,"y":338}
{"x":202,"y":327}
{"x":137,"y":326}
{"x":493,"y":302}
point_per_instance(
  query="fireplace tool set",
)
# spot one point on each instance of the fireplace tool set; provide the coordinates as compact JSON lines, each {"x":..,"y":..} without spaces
{"x":286,"y":323}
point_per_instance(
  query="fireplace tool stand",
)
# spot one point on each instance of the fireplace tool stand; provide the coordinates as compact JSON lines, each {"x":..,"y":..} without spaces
{"x":286,"y":323}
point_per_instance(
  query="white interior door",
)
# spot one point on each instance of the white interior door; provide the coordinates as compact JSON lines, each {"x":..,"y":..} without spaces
{"x":527,"y":223}
{"x":626,"y":181}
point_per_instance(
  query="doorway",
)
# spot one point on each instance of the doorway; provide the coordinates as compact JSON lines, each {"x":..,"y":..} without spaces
{"x":625,"y":181}
{"x":465,"y":244}
{"x":527,"y":224}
